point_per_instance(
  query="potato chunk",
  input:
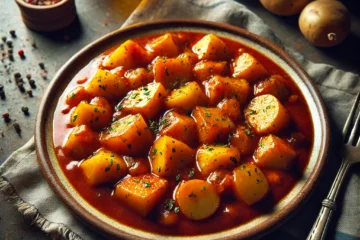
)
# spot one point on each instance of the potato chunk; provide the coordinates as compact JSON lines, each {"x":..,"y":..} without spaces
{"x":139,"y":77}
{"x":141,"y":193}
{"x":148,"y":101}
{"x":96,"y":114}
{"x":212,"y":48}
{"x":219,"y":87}
{"x":274,"y":152}
{"x":222,"y":180}
{"x":163,"y":46}
{"x":75,"y":96}
{"x":169,"y":155}
{"x":210,"y":158}
{"x":197,"y":199}
{"x":250,"y":184}
{"x":104,"y":167}
{"x":266,"y":114}
{"x":180,"y":127}
{"x":172,"y":71}
{"x":81,"y":142}
{"x":128,"y":55}
{"x":274,"y":85}
{"x":212,"y":125}
{"x":187,"y":97}
{"x":244,"y":140}
{"x":129,"y":135}
{"x":247,"y":67}
{"x":107,"y":84}
{"x":230,"y":107}
{"x":204,"y":69}
{"x":190,"y":56}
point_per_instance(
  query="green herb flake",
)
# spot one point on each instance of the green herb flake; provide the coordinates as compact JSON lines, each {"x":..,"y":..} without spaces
{"x":252,"y":112}
{"x":136,"y":180}
{"x":207,"y":114}
{"x":191,"y":173}
{"x":118,"y":167}
{"x":261,"y":144}
{"x":169,"y":204}
{"x":74,"y":118}
{"x":176,"y":210}
{"x":233,"y":159}
{"x":96,"y":110}
{"x":99,"y":194}
{"x":203,"y":188}
{"x":178,"y":177}
{"x":72,"y":95}
{"x":146,"y":184}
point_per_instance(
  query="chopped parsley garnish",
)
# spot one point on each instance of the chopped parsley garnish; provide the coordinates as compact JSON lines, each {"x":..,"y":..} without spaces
{"x":169,"y":204}
{"x":203,"y":188}
{"x":74,"y":118}
{"x":176,"y":210}
{"x":146,"y":184}
{"x":207,"y":114}
{"x":178,"y":177}
{"x":233,"y":159}
{"x":261,"y":144}
{"x":191,"y":173}
{"x":72,"y":95}
{"x":252,"y":112}
{"x":136,"y":180}
{"x":133,"y":96}
{"x":96,"y":110}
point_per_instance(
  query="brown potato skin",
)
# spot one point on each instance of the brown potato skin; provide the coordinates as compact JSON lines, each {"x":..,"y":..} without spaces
{"x":325,"y":23}
{"x":284,"y":7}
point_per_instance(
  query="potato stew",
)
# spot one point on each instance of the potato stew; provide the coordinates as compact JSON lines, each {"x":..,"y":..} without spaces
{"x":182,"y":133}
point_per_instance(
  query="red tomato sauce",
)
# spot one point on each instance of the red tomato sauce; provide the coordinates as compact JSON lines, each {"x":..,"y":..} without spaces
{"x":231,"y":213}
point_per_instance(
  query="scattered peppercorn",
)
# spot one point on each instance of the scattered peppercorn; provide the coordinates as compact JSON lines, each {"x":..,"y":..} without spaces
{"x":25,"y":110}
{"x":19,"y":80}
{"x":32,"y":83}
{"x":17,"y":128}
{"x":21,"y":86}
{"x":10,"y":51}
{"x":3,"y":38}
{"x":10,"y":44}
{"x":33,"y":44}
{"x":29,"y":92}
{"x":21,"y":53}
{"x":1,"y":87}
{"x":43,"y":75}
{"x":2,"y":94}
{"x":1,"y":46}
{"x":28,"y":76}
{"x":11,"y":57}
{"x":17,"y":75}
{"x":12,"y":33}
{"x":6,"y":117}
{"x":41,"y":65}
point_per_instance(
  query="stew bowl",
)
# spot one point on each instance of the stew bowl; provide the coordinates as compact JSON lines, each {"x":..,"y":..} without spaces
{"x":257,"y":227}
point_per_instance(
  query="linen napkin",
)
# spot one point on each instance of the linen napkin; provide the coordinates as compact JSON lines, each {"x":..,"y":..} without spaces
{"x":23,"y":184}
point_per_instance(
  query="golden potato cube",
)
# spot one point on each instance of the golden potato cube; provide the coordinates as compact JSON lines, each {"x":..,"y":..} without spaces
{"x":250,"y":184}
{"x":197,"y":199}
{"x":219,"y":87}
{"x":266,"y":114}
{"x":107,"y":84}
{"x":204,"y":69}
{"x":244,"y":140}
{"x":212,"y":125}
{"x":192,"y":57}
{"x":179,"y":126}
{"x":163,"y":46}
{"x":104,"y":167}
{"x":148,"y":101}
{"x":187,"y":97}
{"x":81,"y":142}
{"x":273,"y":152}
{"x":210,"y":158}
{"x":128,"y":55}
{"x":141,"y":193}
{"x":247,"y":67}
{"x":76,"y":95}
{"x":96,"y":116}
{"x":212,"y":48}
{"x":129,"y":136}
{"x":168,"y":155}
{"x":139,"y":77}
{"x":230,"y":107}
{"x":274,"y":85}
{"x":171,"y":72}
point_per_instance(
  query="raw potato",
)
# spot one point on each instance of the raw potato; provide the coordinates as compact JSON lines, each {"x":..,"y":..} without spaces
{"x":197,"y":199}
{"x":163,"y":46}
{"x":171,"y":72}
{"x":107,"y":84}
{"x":210,"y":158}
{"x":75,"y":96}
{"x":104,"y":167}
{"x":273,"y":152}
{"x":96,"y":114}
{"x":129,"y":136}
{"x":325,"y":23}
{"x":148,"y":101}
{"x":212,"y":125}
{"x":248,"y":67}
{"x":128,"y":55}
{"x":204,"y":69}
{"x":187,"y":97}
{"x":180,"y":127}
{"x":274,"y":85}
{"x":141,"y":193}
{"x":139,"y":77}
{"x":266,"y":114}
{"x":244,"y":140}
{"x":219,"y":87}
{"x":211,"y":47}
{"x":250,"y":184}
{"x":169,"y":155}
{"x":231,"y":107}
{"x":81,"y":142}
{"x":285,"y":7}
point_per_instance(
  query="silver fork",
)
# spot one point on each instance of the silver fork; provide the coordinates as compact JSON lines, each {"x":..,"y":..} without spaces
{"x":350,"y":155}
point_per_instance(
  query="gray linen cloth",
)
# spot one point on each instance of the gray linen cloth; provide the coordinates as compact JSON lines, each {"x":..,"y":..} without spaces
{"x":22,"y":183}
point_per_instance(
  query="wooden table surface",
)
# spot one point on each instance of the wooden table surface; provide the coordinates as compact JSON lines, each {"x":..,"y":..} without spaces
{"x":96,"y":18}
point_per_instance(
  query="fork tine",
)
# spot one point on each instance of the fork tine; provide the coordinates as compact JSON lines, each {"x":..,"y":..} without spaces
{"x":354,"y":129}
{"x":351,"y":115}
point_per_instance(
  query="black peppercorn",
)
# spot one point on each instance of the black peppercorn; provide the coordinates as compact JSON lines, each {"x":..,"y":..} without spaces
{"x":3,"y":38}
{"x":10,"y":51}
{"x":29,"y":92}
{"x":2,"y":94}
{"x":17,"y":75}
{"x":25,"y":110}
{"x":10,"y":44}
{"x":32,"y":83}
{"x":28,"y":76}
{"x":12,"y":33}
{"x":17,"y":128}
{"x":1,"y":87}
{"x":21,"y":86}
{"x":41,"y":65}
